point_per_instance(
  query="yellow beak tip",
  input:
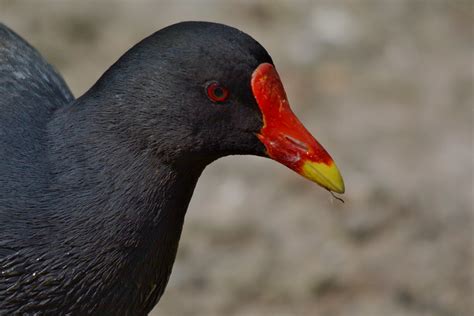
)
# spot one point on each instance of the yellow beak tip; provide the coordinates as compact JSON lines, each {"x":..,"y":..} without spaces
{"x":327,"y":176}
{"x":339,"y":189}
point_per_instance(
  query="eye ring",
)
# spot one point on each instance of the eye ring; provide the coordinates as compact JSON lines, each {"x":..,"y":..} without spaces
{"x":216,"y":92}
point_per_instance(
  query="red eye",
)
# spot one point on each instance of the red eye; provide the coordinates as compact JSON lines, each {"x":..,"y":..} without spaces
{"x":216,"y":92}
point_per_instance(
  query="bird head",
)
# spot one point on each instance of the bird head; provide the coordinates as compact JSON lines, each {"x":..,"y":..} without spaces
{"x":201,"y":91}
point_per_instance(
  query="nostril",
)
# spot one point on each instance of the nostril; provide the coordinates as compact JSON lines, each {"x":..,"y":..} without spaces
{"x":298,"y":143}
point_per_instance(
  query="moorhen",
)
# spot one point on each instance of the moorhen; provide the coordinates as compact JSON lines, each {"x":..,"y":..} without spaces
{"x":94,"y":190}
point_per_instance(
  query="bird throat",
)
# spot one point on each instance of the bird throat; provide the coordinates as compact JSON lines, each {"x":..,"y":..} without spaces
{"x":118,"y":242}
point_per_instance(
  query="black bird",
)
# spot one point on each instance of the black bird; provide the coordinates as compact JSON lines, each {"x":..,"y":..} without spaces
{"x":94,"y":190}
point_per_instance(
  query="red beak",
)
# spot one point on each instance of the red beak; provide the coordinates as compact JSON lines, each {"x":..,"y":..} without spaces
{"x":285,"y":138}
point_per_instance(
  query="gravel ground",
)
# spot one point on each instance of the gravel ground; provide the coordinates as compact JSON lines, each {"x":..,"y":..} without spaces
{"x":386,"y":86}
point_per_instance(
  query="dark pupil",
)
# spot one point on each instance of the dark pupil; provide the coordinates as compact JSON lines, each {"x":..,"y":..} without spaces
{"x":218,"y":92}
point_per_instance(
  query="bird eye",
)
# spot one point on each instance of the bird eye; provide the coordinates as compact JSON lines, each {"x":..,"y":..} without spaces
{"x":216,"y":92}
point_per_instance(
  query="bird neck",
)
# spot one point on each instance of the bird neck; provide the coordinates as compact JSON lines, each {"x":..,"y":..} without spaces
{"x":125,"y":211}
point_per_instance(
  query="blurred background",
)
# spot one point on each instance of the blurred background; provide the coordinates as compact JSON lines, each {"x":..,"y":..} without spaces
{"x":386,"y":86}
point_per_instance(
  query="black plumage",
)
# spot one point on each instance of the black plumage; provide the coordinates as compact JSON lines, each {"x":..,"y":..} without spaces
{"x":93,"y":191}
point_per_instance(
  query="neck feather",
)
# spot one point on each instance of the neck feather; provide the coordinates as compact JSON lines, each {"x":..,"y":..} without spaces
{"x":117,"y":218}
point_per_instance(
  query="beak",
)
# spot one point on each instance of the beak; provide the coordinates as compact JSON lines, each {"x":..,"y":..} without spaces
{"x":285,"y":138}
